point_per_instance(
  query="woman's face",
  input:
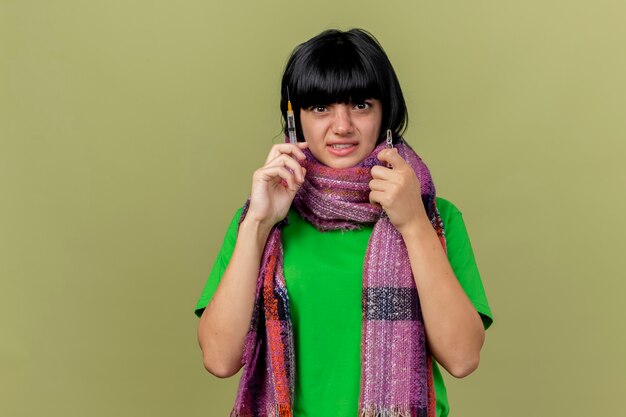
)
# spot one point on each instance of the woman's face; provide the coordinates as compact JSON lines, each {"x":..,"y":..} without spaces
{"x":342,"y":135}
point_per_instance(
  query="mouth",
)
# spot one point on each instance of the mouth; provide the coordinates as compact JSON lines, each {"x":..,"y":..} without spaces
{"x":341,"y":149}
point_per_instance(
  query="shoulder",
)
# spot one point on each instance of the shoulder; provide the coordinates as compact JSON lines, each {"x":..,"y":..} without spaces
{"x":231,"y":233}
{"x":461,"y":257}
{"x":236,"y":217}
{"x":447,"y":209}
{"x":452,"y":219}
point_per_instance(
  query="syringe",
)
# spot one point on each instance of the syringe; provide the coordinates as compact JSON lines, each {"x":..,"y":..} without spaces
{"x":291,"y":121}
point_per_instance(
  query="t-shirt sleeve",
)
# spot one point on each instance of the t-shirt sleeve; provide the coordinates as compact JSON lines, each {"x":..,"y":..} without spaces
{"x":461,"y":257}
{"x":221,"y":262}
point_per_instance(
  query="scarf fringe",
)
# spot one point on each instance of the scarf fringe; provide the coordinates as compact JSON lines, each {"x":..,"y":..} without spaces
{"x":272,"y":411}
{"x":393,"y":411}
{"x":369,"y":411}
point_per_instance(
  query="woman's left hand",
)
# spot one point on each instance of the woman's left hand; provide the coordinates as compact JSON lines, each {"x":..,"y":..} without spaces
{"x":397,"y":190}
{"x":454,"y":329}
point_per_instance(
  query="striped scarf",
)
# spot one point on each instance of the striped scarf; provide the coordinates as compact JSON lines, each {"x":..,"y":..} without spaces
{"x":396,"y":366}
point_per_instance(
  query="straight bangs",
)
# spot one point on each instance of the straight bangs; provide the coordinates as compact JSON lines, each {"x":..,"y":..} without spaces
{"x":335,"y":79}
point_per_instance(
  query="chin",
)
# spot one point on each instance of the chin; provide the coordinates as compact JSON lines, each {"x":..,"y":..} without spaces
{"x":342,"y":164}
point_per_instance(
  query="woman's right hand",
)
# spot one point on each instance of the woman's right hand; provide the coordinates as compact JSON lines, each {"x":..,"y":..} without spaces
{"x":225,"y":322}
{"x":270,"y":199}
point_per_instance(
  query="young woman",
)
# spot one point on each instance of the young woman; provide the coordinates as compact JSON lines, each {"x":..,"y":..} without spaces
{"x":344,"y":280}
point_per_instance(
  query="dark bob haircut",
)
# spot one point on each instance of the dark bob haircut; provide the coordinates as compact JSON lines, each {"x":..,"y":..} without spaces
{"x":343,"y":67}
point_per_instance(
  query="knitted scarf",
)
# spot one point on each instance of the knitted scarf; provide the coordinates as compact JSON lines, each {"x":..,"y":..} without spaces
{"x":396,"y":366}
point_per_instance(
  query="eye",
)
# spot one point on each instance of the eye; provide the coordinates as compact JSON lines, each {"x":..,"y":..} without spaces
{"x":363,"y":105}
{"x":318,"y":108}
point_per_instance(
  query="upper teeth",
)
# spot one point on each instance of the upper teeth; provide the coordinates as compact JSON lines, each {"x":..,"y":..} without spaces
{"x":342,"y":145}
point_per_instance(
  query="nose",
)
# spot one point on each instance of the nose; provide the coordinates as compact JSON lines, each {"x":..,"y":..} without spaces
{"x":342,"y":122}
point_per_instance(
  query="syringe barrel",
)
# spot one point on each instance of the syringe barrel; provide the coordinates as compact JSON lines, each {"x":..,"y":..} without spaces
{"x":291,"y":128}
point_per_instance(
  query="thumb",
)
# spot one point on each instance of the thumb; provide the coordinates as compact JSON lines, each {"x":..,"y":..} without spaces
{"x":391,"y":157}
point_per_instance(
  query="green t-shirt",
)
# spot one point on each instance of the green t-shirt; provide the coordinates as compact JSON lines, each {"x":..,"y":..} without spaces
{"x":323,"y":274}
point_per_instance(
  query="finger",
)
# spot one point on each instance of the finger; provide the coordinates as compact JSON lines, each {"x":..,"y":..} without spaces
{"x":375,"y":198}
{"x":392,"y":157}
{"x":381,"y":172}
{"x":283,"y":160}
{"x":280,"y":172}
{"x":287,"y":148}
{"x":378,"y":185}
{"x":287,"y":161}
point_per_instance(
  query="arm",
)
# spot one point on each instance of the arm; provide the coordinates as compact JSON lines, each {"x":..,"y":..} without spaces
{"x":225,"y":322}
{"x":453,"y":326}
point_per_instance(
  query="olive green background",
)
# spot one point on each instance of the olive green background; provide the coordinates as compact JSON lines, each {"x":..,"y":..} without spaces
{"x":129,"y":131}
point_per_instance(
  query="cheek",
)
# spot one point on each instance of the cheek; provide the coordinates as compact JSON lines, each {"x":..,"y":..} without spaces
{"x":305,"y":125}
{"x":313,"y":132}
{"x":374,"y":132}
{"x":374,"y":126}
